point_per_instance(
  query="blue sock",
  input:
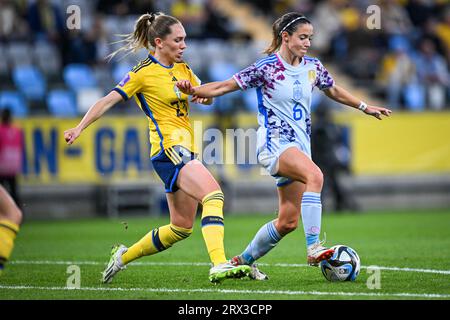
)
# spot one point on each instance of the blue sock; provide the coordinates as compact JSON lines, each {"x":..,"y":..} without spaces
{"x":311,"y":216}
{"x":265,"y":239}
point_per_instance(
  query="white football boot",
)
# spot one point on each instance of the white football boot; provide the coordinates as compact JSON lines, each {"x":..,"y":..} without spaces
{"x":317,"y":252}
{"x":227,"y":270}
{"x":115,"y":263}
{"x":255,"y":273}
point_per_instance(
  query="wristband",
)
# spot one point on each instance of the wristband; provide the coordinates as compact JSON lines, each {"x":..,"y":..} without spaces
{"x":362,"y":106}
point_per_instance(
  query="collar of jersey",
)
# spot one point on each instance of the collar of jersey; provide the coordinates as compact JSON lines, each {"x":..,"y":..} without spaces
{"x":287,"y":65}
{"x":155,"y":60}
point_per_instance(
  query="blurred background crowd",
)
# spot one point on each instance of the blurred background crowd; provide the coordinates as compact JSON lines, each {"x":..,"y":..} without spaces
{"x":48,"y":68}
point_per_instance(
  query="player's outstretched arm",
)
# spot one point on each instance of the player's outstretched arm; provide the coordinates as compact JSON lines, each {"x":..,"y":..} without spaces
{"x":94,"y":112}
{"x":341,"y":95}
{"x":209,"y":90}
{"x":197,"y":99}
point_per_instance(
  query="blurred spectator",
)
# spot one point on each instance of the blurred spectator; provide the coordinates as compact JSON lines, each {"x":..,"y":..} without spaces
{"x":394,"y":18}
{"x":215,"y":25}
{"x":139,"y":7}
{"x":97,"y":35}
{"x":12,"y":27}
{"x":81,"y":49}
{"x":433,"y":74}
{"x":46,"y":20}
{"x":430,"y":32}
{"x":397,"y":72}
{"x":443,"y":31}
{"x":362,"y":55}
{"x":11,"y":150}
{"x":327,"y":24}
{"x":305,"y":7}
{"x":125,"y":7}
{"x":191,"y":14}
{"x":88,"y":46}
{"x":332,"y":156}
{"x":420,"y":11}
{"x":263,"y":6}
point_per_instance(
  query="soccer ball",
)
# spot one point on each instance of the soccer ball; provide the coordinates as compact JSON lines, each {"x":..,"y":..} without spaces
{"x":344,"y":265}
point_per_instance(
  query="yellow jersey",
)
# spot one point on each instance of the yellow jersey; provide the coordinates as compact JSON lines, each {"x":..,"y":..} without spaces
{"x":165,"y":106}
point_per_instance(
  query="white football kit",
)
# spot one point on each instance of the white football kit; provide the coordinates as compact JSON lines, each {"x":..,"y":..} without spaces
{"x":284,"y":105}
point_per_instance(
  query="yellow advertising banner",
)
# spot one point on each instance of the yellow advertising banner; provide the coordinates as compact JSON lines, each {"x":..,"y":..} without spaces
{"x":117,"y":148}
{"x":113,"y":148}
{"x":405,"y":143}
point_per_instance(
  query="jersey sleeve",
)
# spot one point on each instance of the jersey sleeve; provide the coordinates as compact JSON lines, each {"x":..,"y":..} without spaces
{"x":250,"y":77}
{"x":129,"y":85}
{"x":324,"y":79}
{"x":193,"y":77}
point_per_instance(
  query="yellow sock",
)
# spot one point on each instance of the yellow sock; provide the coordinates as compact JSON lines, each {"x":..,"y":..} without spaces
{"x":157,"y":240}
{"x":8,"y":232}
{"x":212,"y":226}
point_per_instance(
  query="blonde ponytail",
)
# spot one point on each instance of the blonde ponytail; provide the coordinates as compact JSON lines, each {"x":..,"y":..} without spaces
{"x":146,"y":29}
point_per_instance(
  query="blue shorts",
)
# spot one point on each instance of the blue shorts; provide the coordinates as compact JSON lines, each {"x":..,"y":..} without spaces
{"x":168,"y":163}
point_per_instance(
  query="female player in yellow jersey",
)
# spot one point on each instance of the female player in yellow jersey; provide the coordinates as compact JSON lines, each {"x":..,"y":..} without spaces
{"x":10,"y":220}
{"x":173,"y":154}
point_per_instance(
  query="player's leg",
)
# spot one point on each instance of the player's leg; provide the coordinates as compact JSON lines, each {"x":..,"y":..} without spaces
{"x":182,"y":208}
{"x":199,"y":183}
{"x":296,"y":165}
{"x":272,"y":232}
{"x":10,"y":219}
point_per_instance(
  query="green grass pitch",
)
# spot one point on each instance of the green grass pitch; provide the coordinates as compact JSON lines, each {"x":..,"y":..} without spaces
{"x":412,"y":249}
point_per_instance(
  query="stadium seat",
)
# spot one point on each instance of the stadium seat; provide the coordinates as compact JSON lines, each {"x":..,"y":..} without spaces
{"x":120,"y":70}
{"x":19,"y":54}
{"x":61,"y":103}
{"x":220,"y":69}
{"x":47,"y":58}
{"x":14,"y":101}
{"x":193,"y":59}
{"x":87,"y":97}
{"x":30,"y":82}
{"x":79,"y":76}
{"x":103,"y":75}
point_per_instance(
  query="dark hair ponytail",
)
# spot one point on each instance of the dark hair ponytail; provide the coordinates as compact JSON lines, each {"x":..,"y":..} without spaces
{"x":288,"y":22}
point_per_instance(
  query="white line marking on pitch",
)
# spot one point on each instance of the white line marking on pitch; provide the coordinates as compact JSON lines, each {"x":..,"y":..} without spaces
{"x":285,"y":265}
{"x":263,"y":292}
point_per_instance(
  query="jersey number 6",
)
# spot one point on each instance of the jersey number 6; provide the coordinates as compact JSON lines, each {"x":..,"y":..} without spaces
{"x":298,"y":113}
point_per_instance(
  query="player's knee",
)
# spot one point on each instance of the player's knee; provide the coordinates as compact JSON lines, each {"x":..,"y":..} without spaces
{"x":315,"y":179}
{"x":16,"y":215}
{"x":12,"y":213}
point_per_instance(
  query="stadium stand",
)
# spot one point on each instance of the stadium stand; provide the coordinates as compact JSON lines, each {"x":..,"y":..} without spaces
{"x":30,"y":82}
{"x":47,"y":59}
{"x":14,"y":101}
{"x":225,"y":27}
{"x":79,"y":76}
{"x":62,"y":103}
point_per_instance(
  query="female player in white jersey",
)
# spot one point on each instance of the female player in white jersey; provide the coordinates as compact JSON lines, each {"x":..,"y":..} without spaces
{"x":284,"y":81}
